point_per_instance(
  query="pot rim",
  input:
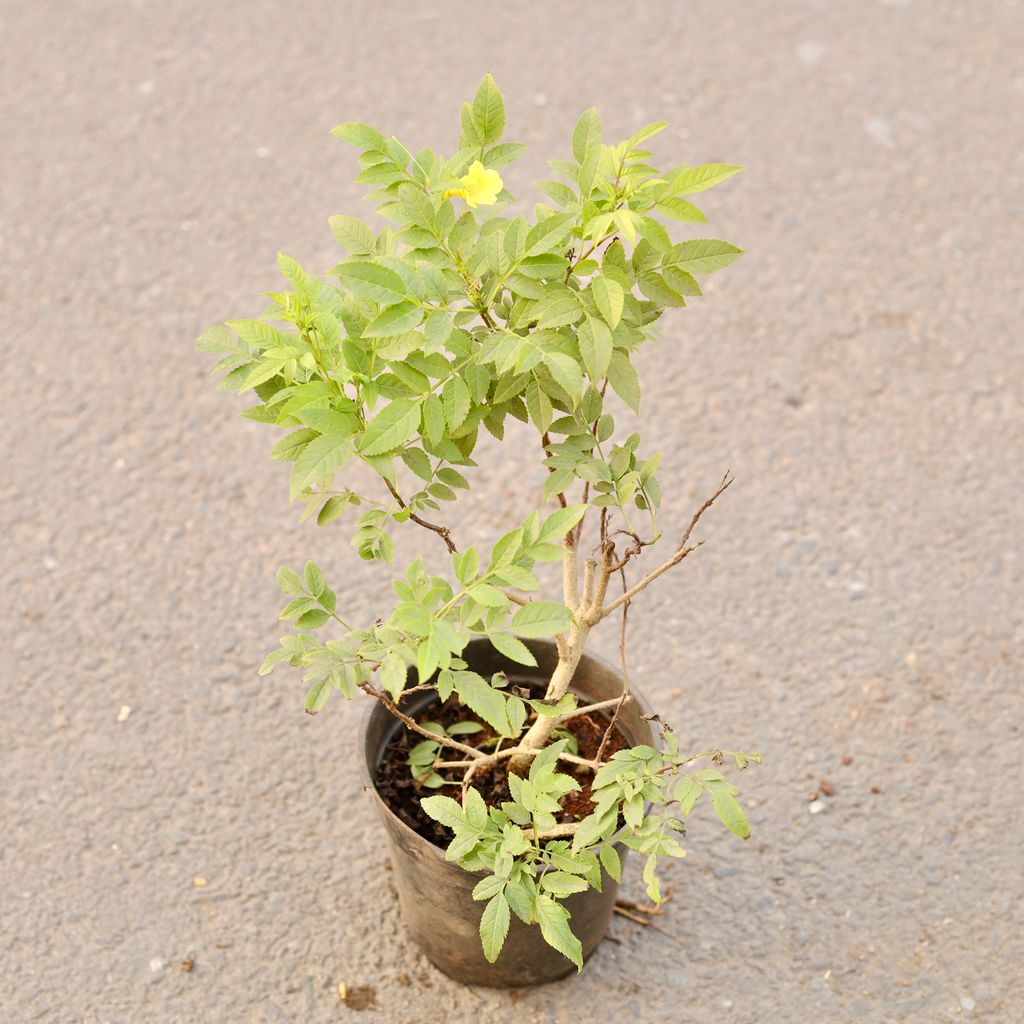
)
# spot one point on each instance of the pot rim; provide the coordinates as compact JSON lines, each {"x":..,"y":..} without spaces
{"x":369,"y":784}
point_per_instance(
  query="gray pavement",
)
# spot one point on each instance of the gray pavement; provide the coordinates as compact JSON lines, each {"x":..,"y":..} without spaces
{"x":856,"y":614}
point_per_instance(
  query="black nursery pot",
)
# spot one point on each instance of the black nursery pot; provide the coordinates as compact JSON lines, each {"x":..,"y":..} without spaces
{"x":436,"y":896}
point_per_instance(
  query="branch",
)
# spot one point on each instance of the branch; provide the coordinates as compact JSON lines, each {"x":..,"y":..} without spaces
{"x":416,"y":727}
{"x":681,"y":552}
{"x":441,"y":531}
{"x":600,"y":706}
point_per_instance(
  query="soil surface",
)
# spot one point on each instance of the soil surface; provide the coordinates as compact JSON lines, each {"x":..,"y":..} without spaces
{"x":855,"y":614}
{"x":403,"y":793}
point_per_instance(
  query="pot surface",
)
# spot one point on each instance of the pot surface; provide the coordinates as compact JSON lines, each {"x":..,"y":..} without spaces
{"x":436,"y":895}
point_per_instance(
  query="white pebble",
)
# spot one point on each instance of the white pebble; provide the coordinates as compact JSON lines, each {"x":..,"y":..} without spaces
{"x":967,"y":1003}
{"x":880,"y":130}
{"x":122,"y":715}
{"x":816,"y":806}
{"x":540,"y":99}
{"x":156,"y":964}
{"x":810,"y":52}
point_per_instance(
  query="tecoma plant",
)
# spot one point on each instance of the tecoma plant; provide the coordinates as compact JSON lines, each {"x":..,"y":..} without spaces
{"x":455,"y":318}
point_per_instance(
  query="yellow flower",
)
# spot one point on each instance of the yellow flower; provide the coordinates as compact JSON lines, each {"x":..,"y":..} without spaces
{"x":480,"y":186}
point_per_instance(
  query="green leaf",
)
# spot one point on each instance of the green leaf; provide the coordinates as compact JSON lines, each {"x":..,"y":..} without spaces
{"x":289,"y":581}
{"x":320,"y":459}
{"x":316,"y":696}
{"x":541,"y":619}
{"x":353,"y":234}
{"x":494,"y":926}
{"x":680,"y":209}
{"x":567,"y":374}
{"x":560,"y":883}
{"x":586,"y":135}
{"x":624,"y":380}
{"x":360,"y":135}
{"x":611,"y":861}
{"x":702,"y":255}
{"x":483,"y":699}
{"x":520,"y":901}
{"x":393,"y":674}
{"x":433,"y":418}
{"x":488,"y":111}
{"x":215,"y":339}
{"x":313,"y":619}
{"x":513,"y":648}
{"x":596,"y":347}
{"x":547,"y":234}
{"x":553,"y":919}
{"x":391,"y":427}
{"x":557,"y":310}
{"x":332,"y":508}
{"x":687,"y":790}
{"x":730,"y":813}
{"x":697,"y":179}
{"x":395,"y":320}
{"x":445,"y":810}
{"x":314,"y":579}
{"x":651,"y":878}
{"x":456,"y":400}
{"x":538,"y":405}
{"x":560,"y":522}
{"x":610,"y":297}
{"x":371,"y":281}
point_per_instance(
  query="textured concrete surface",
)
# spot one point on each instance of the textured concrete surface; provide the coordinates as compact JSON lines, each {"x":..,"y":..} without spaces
{"x":856,"y":615}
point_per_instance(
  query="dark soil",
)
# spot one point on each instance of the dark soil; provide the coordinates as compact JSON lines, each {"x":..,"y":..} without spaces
{"x":402,"y":793}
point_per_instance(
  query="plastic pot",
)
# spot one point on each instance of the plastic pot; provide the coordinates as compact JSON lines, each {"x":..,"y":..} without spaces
{"x":435,"y":895}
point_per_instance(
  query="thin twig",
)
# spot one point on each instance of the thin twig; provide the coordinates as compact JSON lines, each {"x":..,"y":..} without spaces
{"x":681,"y":552}
{"x":411,"y":723}
{"x":625,"y":677}
{"x":442,"y":531}
{"x":599,"y":706}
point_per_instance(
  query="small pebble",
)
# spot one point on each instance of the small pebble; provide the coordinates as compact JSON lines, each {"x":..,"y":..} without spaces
{"x":967,"y":1003}
{"x":816,"y":806}
{"x":199,"y":883}
{"x":156,"y":964}
{"x":540,"y":99}
{"x":122,"y":715}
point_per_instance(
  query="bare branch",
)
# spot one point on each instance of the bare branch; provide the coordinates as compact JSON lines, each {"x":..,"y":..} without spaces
{"x":681,"y":552}
{"x":625,"y":677}
{"x":441,"y":531}
{"x":599,"y":706}
{"x":416,"y":727}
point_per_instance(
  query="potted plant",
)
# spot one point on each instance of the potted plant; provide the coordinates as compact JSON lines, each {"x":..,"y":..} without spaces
{"x":512,"y":770}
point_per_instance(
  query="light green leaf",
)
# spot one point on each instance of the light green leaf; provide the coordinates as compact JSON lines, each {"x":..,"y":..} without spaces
{"x":391,"y":427}
{"x":456,"y":400}
{"x":513,"y":648}
{"x":488,"y":111}
{"x":554,"y":926}
{"x":560,"y":522}
{"x":567,"y":374}
{"x":560,"y":883}
{"x":445,"y":810}
{"x":697,"y":179}
{"x":730,"y":813}
{"x":360,"y":135}
{"x":371,"y":281}
{"x":395,"y":320}
{"x":290,"y":581}
{"x":596,"y":347}
{"x":393,"y":674}
{"x":482,"y":698}
{"x":353,"y":234}
{"x":611,"y":861}
{"x":547,"y":234}
{"x":541,"y":619}
{"x":702,"y":255}
{"x":320,"y":459}
{"x":314,"y":579}
{"x":494,"y":926}
{"x":610,"y":297}
{"x":586,"y":135}
{"x":680,"y":209}
{"x":316,"y":696}
{"x":624,"y":380}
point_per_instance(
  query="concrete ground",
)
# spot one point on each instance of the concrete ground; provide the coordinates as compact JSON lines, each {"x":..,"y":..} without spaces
{"x":856,"y":615}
